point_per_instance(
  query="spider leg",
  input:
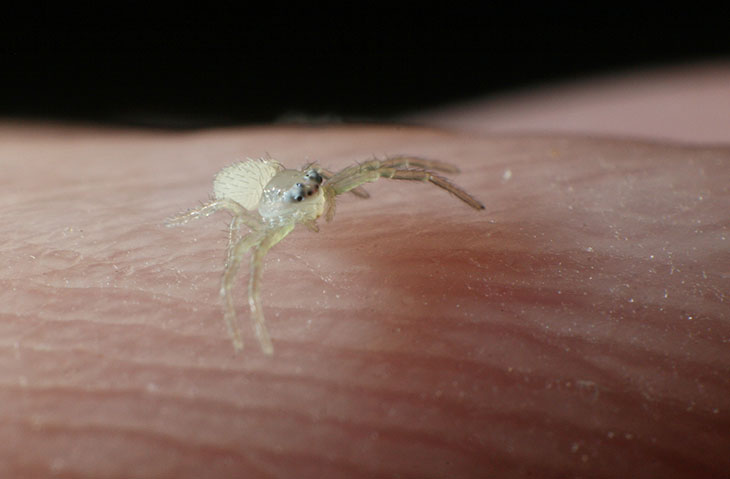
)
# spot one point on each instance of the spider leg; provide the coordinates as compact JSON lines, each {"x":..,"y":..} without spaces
{"x":357,"y":191}
{"x":330,"y":205}
{"x":312,"y":226}
{"x":373,"y":170}
{"x":234,"y":230}
{"x":254,"y":285}
{"x":211,"y":207}
{"x":235,"y":255}
{"x":401,"y":162}
{"x":441,"y":182}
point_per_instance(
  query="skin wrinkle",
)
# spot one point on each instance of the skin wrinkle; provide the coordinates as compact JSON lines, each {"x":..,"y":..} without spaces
{"x":414,"y":337}
{"x":414,"y":437}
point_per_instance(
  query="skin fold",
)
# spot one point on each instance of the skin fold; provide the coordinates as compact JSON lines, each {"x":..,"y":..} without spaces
{"x":578,"y":327}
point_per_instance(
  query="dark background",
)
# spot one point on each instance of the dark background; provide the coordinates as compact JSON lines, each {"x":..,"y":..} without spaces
{"x":135,"y":65}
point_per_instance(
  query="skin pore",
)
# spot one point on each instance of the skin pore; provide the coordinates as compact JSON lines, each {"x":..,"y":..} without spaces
{"x":576,"y":327}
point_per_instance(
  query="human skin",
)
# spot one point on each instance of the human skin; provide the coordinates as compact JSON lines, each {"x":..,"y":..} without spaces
{"x":689,"y":103}
{"x":578,"y":327}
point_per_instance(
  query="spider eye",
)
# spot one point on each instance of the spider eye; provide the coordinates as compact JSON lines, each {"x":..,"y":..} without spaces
{"x":298,"y":198}
{"x":315,"y":176}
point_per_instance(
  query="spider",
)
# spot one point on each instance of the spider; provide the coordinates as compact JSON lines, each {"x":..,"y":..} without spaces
{"x":271,"y":200}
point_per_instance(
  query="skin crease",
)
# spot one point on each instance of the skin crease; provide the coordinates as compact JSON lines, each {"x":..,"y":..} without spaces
{"x":578,"y":327}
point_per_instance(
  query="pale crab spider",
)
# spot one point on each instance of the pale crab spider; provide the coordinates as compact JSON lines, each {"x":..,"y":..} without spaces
{"x":271,"y":200}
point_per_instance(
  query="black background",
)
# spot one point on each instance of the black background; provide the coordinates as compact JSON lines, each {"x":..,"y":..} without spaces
{"x":155,"y":66}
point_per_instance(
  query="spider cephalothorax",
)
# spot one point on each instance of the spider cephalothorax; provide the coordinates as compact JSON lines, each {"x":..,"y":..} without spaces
{"x":271,"y":200}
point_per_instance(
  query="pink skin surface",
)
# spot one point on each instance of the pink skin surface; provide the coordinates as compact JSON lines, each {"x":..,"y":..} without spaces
{"x":576,"y":328}
{"x":689,"y":103}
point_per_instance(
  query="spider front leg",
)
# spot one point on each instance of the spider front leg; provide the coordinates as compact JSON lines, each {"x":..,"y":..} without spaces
{"x":373,"y":170}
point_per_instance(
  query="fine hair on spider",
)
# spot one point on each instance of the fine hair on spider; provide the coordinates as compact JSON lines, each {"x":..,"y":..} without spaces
{"x":270,"y":200}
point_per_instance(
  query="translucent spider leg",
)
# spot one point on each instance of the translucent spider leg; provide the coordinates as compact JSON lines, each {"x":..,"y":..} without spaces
{"x":234,"y":230}
{"x":236,"y":254}
{"x":254,"y":285}
{"x":441,"y":182}
{"x":373,"y":170}
{"x":420,"y":163}
{"x":212,"y":207}
{"x":357,"y":191}
{"x":396,"y":162}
